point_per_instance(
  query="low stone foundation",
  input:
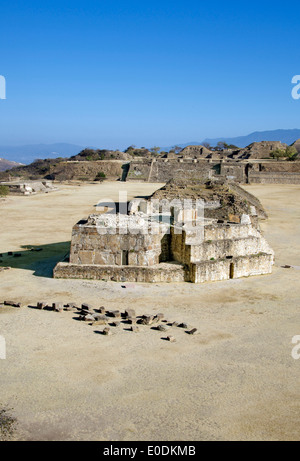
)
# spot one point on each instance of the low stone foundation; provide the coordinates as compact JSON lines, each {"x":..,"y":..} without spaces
{"x":200,"y":272}
{"x":29,"y":187}
{"x":164,"y":272}
{"x":274,"y":178}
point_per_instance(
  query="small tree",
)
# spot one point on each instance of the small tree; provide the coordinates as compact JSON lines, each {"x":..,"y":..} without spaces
{"x":176,"y":149}
{"x":278,"y":153}
{"x":291,"y":152}
{"x":130,"y":149}
{"x":155,"y":150}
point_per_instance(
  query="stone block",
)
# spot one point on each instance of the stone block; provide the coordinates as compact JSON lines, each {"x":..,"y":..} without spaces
{"x":99,"y":317}
{"x":234,"y":218}
{"x":12,"y":303}
{"x":162,"y":327}
{"x":100,"y":258}
{"x":132,"y":320}
{"x":147,"y":319}
{"x":100,"y":322}
{"x":85,"y":257}
{"x":171,"y":339}
{"x":58,"y":307}
{"x":106,"y":331}
{"x":86,"y":307}
{"x":158,"y":317}
{"x":72,"y":305}
{"x":42,"y":304}
{"x":130,"y":313}
{"x":115,"y":314}
{"x":87,"y":318}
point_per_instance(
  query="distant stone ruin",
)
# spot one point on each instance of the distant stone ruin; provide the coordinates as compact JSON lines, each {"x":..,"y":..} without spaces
{"x":252,"y":164}
{"x":29,"y":187}
{"x":260,"y":162}
{"x":183,"y":232}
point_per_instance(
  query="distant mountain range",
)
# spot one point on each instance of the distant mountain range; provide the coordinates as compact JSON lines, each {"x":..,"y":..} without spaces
{"x":7,"y":164}
{"x":28,"y":153}
{"x":285,"y":136}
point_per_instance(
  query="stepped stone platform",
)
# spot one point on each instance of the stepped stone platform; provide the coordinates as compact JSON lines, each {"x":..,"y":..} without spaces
{"x":219,"y":240}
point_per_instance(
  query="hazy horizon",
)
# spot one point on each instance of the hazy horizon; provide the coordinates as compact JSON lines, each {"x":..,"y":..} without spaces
{"x":121,"y":73}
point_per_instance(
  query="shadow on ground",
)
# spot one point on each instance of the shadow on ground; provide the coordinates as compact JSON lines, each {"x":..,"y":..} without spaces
{"x":40,"y":259}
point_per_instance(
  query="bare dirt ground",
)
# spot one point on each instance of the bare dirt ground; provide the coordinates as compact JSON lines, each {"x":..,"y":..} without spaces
{"x":236,"y":380}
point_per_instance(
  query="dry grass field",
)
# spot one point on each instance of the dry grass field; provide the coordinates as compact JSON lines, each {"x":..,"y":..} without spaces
{"x":235,"y":380}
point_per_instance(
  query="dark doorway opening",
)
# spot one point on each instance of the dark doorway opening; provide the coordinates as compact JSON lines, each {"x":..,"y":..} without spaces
{"x":231,"y":271}
{"x":125,"y":257}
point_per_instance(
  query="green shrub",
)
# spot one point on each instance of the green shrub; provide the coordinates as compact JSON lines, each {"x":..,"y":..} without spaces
{"x":4,"y":191}
{"x":100,"y":176}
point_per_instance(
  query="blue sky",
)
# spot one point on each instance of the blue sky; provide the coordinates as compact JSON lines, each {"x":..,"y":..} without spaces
{"x":115,"y":73}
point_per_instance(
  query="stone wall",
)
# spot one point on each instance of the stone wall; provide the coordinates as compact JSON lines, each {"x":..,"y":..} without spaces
{"x":29,"y":187}
{"x":139,"y":170}
{"x":89,"y":247}
{"x":163,"y":169}
{"x":242,"y":171}
{"x":218,"y":249}
{"x":218,"y":241}
{"x":274,"y":178}
{"x":119,"y":239}
{"x":81,"y":170}
{"x":225,"y":269}
{"x":151,"y":274}
{"x":233,"y":171}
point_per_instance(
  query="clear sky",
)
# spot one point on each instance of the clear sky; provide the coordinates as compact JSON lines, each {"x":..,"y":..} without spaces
{"x":115,"y":73}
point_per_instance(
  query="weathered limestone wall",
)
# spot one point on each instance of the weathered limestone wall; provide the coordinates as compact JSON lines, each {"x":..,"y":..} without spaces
{"x":274,"y":178}
{"x":276,"y":166}
{"x":218,"y":249}
{"x":274,"y":172}
{"x":179,"y":249}
{"x":139,"y":170}
{"x":89,"y":247}
{"x":219,"y":241}
{"x":226,"y":269}
{"x":233,"y":170}
{"x":164,"y":169}
{"x":82,"y":170}
{"x":158,"y":273}
{"x":226,"y":231}
{"x":241,"y":171}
